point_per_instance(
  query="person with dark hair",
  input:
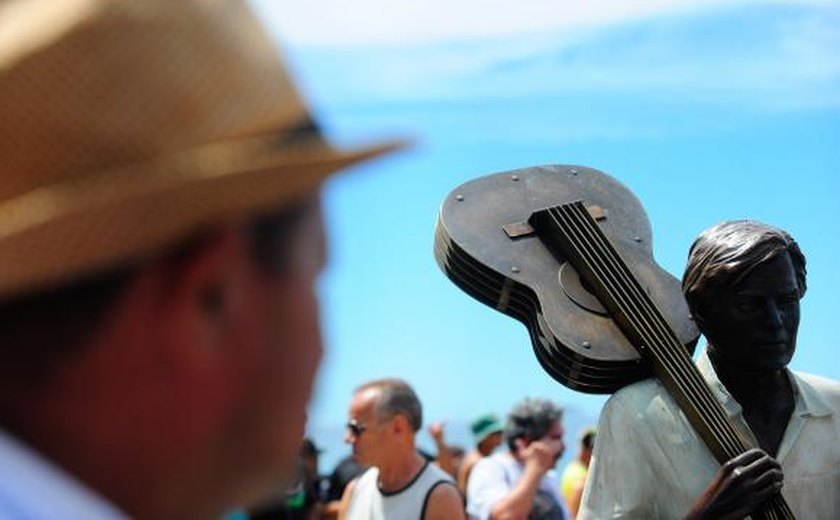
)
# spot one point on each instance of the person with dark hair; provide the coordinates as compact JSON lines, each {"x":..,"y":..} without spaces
{"x":743,"y":282}
{"x":385,"y":416}
{"x":574,"y":475}
{"x":160,"y":240}
{"x":520,"y":482}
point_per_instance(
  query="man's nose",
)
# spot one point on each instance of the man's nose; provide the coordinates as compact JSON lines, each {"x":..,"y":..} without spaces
{"x":774,"y":315}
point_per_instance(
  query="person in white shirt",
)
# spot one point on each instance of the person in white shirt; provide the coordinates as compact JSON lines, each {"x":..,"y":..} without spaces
{"x":384,"y":418}
{"x":520,"y":482}
{"x":743,"y":283}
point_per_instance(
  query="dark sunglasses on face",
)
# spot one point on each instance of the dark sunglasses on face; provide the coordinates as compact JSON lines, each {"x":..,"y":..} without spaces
{"x":355,"y":428}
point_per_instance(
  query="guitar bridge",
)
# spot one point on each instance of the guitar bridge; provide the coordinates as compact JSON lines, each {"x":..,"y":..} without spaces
{"x":516,"y":230}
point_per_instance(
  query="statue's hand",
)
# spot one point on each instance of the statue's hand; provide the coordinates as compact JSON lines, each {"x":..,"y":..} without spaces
{"x":741,"y":485}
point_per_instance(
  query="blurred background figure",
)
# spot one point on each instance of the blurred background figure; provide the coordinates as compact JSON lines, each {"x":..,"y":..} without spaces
{"x":574,"y":475}
{"x":448,"y":456}
{"x":521,"y":482}
{"x":487,"y":434}
{"x":384,"y":418}
{"x":458,"y":454}
{"x":303,"y":500}
{"x":345,"y":471}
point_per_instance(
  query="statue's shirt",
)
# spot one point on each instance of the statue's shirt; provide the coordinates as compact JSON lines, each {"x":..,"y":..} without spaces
{"x":649,"y":463}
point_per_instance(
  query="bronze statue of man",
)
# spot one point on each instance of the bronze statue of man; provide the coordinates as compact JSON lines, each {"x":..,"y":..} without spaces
{"x":743,"y":283}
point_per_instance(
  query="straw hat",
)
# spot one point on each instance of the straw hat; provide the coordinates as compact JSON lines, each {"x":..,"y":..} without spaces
{"x":127,"y":125}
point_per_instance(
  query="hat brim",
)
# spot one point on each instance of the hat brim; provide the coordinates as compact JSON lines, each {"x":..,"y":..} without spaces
{"x":68,"y":230}
{"x":479,"y":437}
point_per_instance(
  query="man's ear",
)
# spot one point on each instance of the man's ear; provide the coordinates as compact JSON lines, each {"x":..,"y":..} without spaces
{"x":199,"y":287}
{"x":400,"y":424}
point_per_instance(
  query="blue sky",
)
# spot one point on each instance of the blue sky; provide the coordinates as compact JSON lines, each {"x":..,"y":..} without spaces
{"x":706,"y":110}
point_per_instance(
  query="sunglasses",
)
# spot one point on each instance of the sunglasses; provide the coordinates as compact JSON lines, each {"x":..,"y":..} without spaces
{"x":355,"y":428}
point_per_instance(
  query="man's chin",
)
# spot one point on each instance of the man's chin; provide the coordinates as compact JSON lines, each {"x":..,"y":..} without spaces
{"x":773,"y":359}
{"x":360,"y":459}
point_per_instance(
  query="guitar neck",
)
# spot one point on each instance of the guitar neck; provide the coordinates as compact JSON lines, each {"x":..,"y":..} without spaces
{"x":575,"y":235}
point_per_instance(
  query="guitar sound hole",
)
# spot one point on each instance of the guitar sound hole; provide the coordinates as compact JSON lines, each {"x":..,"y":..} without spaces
{"x":578,"y":290}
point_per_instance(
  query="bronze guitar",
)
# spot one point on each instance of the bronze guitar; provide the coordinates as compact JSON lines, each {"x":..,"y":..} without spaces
{"x":566,"y":250}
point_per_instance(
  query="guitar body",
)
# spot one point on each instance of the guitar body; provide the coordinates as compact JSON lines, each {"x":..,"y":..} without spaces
{"x":567,"y":251}
{"x":486,"y":246}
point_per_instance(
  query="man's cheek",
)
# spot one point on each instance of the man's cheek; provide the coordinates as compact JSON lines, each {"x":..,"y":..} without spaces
{"x":298,"y":344}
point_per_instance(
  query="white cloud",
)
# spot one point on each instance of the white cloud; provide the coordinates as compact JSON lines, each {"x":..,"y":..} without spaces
{"x":330,"y":22}
{"x":773,"y":56}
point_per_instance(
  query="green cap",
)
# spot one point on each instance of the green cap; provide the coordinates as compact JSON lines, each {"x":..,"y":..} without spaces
{"x":484,"y":426}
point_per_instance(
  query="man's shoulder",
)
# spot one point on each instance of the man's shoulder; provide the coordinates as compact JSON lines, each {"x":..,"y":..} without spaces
{"x":827,"y":390}
{"x":444,"y":501}
{"x":645,"y":406}
{"x":367,"y":479}
{"x":491,"y":465}
{"x":824,"y":385}
{"x":473,"y":457}
{"x":637,"y":396}
{"x":500,"y":458}
{"x":437,"y":474}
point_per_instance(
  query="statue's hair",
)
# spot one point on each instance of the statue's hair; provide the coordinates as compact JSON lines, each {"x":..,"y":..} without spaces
{"x":726,"y":253}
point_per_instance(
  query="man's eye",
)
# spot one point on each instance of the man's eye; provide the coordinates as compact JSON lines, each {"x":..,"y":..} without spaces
{"x":745,"y":305}
{"x":789,"y":299}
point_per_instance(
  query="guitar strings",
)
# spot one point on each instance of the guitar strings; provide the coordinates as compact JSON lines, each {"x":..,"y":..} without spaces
{"x":669,"y":358}
{"x":616,"y":289}
{"x":645,"y":320}
{"x":583,"y":216}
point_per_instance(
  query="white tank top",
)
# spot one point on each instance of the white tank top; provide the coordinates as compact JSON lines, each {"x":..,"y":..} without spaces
{"x":368,"y":502}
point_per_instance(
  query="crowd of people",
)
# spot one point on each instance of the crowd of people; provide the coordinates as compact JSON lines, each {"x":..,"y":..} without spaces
{"x":161,"y":237}
{"x":510,"y":474}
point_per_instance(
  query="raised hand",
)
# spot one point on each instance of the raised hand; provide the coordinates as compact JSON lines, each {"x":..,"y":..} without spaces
{"x":436,"y":432}
{"x":542,"y":454}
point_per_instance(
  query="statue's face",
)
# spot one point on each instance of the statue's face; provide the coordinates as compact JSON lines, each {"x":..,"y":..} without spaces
{"x":752,"y":325}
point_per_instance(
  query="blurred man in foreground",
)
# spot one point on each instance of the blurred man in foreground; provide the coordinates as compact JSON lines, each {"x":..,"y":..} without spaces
{"x":160,"y":238}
